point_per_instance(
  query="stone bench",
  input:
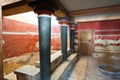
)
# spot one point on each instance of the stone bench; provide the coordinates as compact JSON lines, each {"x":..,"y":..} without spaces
{"x":27,"y":73}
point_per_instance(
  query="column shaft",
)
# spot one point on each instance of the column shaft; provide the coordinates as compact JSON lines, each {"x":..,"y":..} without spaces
{"x":45,"y":44}
{"x":64,"y":42}
{"x":72,"y":40}
{"x":46,"y":7}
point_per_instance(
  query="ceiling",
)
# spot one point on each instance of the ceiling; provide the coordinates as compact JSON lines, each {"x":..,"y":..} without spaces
{"x":67,"y":7}
{"x":73,"y":5}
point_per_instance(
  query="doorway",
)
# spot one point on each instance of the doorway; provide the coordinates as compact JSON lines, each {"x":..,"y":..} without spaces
{"x":85,"y":42}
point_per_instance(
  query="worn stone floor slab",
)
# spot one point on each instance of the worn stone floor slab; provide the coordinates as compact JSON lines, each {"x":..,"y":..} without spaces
{"x":92,"y":68}
{"x":86,"y":69}
{"x":78,"y":72}
{"x":92,"y":72}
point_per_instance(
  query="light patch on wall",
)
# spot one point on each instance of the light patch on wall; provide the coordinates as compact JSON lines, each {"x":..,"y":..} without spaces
{"x":30,"y":18}
{"x":76,"y":40}
{"x":37,"y":44}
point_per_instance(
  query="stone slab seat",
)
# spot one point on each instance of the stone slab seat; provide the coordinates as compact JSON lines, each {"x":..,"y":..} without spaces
{"x":27,"y":73}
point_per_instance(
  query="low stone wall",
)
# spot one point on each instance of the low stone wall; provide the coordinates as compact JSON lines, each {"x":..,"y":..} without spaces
{"x":56,"y":60}
{"x":14,"y":63}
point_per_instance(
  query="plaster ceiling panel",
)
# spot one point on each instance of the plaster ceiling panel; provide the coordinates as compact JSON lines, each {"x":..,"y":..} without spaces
{"x":72,"y":5}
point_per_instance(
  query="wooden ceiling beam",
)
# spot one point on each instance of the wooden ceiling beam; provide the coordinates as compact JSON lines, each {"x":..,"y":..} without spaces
{"x":61,"y":8}
{"x":6,"y":2}
{"x":114,"y":8}
{"x":59,"y":13}
{"x":17,"y":10}
{"x":16,"y":4}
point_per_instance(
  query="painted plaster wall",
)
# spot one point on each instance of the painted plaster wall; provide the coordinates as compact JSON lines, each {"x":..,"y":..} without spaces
{"x":21,"y":45}
{"x":20,"y":38}
{"x":107,"y":34}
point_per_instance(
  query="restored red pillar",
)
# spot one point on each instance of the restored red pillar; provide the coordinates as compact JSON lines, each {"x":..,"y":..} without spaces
{"x":44,"y":9}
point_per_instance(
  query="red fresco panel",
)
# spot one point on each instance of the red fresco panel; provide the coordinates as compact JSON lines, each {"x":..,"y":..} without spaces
{"x":16,"y":26}
{"x":16,"y":45}
{"x":19,"y":44}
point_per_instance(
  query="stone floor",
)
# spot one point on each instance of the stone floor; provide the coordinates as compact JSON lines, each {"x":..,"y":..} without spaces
{"x":86,"y":69}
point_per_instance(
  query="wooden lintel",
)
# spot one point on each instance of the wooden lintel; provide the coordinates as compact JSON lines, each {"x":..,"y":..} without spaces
{"x":61,"y":7}
{"x":59,"y":13}
{"x":114,"y":8}
{"x":17,"y":10}
{"x":6,"y":2}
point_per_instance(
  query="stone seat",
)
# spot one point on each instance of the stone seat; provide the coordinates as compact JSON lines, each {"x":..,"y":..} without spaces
{"x":27,"y":73}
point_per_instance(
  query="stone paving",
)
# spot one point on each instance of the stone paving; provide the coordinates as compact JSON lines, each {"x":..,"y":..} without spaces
{"x":86,"y":69}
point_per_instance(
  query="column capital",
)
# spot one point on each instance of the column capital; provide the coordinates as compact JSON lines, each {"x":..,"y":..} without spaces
{"x":64,"y":20}
{"x":43,"y":6}
{"x":73,"y":25}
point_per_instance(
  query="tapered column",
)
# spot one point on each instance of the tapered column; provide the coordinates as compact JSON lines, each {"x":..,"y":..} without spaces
{"x":64,"y":23}
{"x":64,"y":41}
{"x":72,"y":33}
{"x":44,"y":9}
{"x":44,"y":39}
{"x":1,"y":49}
